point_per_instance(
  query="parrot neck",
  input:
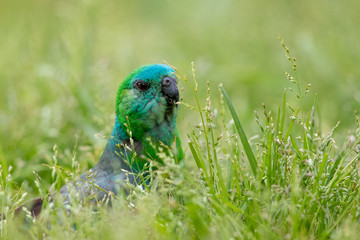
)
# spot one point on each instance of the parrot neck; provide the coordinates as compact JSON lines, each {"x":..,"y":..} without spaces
{"x":117,"y":154}
{"x":120,"y":149}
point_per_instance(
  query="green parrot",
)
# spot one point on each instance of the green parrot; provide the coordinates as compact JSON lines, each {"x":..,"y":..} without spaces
{"x":146,"y":110}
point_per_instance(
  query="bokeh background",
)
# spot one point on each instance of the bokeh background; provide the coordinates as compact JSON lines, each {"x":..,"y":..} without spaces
{"x":61,"y":62}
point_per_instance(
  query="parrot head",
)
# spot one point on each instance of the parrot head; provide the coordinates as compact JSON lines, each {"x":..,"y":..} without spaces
{"x":146,"y":102}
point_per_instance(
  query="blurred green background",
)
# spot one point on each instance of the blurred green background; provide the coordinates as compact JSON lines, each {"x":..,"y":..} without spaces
{"x":61,"y":62}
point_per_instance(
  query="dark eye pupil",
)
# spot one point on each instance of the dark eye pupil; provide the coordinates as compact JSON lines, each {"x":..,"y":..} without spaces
{"x":142,"y":85}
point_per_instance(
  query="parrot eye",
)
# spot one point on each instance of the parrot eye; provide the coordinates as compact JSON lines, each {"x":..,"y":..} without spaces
{"x":142,"y":85}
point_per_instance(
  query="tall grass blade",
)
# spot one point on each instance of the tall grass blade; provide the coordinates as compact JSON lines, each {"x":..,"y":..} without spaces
{"x":241,"y":132}
{"x":335,"y":166}
{"x":200,"y":164}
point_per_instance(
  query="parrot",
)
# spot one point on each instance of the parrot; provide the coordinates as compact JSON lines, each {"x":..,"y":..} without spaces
{"x":146,"y":108}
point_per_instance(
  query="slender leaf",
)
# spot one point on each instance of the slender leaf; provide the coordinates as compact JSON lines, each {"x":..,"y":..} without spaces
{"x":241,"y":132}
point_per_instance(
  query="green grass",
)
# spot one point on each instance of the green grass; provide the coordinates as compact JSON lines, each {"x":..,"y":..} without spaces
{"x":291,"y":181}
{"x":60,"y":62}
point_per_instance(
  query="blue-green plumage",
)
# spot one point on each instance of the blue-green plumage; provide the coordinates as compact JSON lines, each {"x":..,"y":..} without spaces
{"x":146,"y":110}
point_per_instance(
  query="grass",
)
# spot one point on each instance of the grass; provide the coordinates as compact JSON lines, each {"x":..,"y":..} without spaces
{"x":61,"y":62}
{"x":289,"y":181}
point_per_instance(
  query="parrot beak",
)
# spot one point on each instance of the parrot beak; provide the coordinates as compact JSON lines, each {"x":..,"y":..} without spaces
{"x":170,"y":90}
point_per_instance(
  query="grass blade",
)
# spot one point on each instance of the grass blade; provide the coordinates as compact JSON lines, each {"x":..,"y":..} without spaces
{"x":199,"y":162}
{"x":241,"y":132}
